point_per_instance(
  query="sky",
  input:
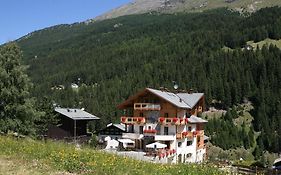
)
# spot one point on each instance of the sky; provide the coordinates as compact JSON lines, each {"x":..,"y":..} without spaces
{"x":20,"y":17}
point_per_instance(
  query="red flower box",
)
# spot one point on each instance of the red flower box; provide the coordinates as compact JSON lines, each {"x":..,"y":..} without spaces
{"x":175,"y":120}
{"x":161,"y":119}
{"x":174,"y":151}
{"x":194,"y":133}
{"x":186,"y":120}
{"x":140,"y":119}
{"x":123,"y":119}
{"x":152,"y":131}
{"x":161,"y":155}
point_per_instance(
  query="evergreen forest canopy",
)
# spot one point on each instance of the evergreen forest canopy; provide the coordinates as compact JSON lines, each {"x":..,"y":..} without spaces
{"x":112,"y":59}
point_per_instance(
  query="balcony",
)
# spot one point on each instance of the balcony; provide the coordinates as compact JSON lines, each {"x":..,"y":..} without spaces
{"x":149,"y":132}
{"x":179,"y":136}
{"x":166,"y":153}
{"x":164,"y":137}
{"x":172,"y":121}
{"x":132,"y":136}
{"x":198,"y":133}
{"x":147,"y":106}
{"x":186,"y":134}
{"x":133,"y":120}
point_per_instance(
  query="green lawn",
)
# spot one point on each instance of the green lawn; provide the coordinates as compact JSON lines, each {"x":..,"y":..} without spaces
{"x":62,"y":157}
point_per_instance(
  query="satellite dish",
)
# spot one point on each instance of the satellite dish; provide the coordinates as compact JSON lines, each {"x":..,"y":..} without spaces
{"x":176,"y":86}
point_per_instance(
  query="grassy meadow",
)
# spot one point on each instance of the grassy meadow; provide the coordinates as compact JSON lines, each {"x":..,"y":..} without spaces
{"x":51,"y":157}
{"x":267,"y":42}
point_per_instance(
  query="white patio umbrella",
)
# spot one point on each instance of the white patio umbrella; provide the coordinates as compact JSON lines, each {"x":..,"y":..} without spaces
{"x":156,"y":145}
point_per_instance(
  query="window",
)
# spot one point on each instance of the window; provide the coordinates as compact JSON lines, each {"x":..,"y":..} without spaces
{"x":188,"y":155}
{"x":141,"y":129}
{"x":166,"y":130}
{"x":141,"y":114}
{"x":198,"y":140}
{"x":188,"y":143}
{"x":179,"y":144}
{"x":131,"y":128}
{"x":189,"y":128}
{"x":166,"y":115}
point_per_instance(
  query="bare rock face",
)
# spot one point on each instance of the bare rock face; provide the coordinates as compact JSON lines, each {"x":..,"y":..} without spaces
{"x":171,"y":6}
{"x":141,"y":6}
{"x":136,"y":7}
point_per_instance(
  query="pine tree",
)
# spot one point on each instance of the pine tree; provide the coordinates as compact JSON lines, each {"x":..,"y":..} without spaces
{"x":17,"y":111}
{"x":48,"y":117}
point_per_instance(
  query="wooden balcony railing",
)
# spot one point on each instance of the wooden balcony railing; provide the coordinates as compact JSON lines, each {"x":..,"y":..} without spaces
{"x":173,"y":121}
{"x":150,"y":131}
{"x":133,"y":120}
{"x":166,"y":153}
{"x":198,"y":133}
{"x":147,"y":106}
{"x":186,"y":134}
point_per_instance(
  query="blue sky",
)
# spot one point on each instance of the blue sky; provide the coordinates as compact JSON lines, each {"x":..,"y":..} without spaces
{"x":20,"y":17}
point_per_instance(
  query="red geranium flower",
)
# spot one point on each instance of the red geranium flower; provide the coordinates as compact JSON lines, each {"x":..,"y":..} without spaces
{"x":175,"y":120}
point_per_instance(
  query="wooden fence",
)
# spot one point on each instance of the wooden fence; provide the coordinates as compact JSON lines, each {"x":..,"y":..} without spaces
{"x":240,"y":169}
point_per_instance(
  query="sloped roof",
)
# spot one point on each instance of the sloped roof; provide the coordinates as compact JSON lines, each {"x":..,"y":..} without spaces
{"x":170,"y":97}
{"x":194,"y":119}
{"x":119,"y":126}
{"x":191,"y":99}
{"x":206,"y":137}
{"x":76,"y":114}
{"x":181,"y":100}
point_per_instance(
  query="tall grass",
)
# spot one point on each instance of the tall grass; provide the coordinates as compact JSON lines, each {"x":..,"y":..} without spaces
{"x":62,"y":156}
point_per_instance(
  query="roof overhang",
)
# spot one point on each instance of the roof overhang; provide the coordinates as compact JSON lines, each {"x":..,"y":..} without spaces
{"x":129,"y":102}
{"x":76,"y":114}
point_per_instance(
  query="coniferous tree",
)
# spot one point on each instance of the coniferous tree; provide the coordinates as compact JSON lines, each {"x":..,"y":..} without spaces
{"x":17,"y":111}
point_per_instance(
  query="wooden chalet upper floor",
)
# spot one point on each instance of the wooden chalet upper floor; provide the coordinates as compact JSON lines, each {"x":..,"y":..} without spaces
{"x":152,"y":106}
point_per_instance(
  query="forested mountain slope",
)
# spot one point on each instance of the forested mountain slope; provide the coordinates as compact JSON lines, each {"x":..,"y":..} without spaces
{"x":115,"y":58}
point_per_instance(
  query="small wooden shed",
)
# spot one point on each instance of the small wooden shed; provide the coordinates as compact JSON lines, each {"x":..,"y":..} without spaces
{"x":73,"y":123}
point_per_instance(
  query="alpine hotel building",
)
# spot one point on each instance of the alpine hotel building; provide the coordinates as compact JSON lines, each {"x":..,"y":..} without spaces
{"x":169,"y":118}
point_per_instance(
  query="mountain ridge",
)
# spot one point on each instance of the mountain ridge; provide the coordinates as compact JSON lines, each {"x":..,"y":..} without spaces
{"x":174,"y":6}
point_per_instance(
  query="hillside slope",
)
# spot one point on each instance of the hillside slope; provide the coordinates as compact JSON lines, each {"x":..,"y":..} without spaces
{"x":70,"y":161}
{"x":112,"y":59}
{"x":172,"y":6}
